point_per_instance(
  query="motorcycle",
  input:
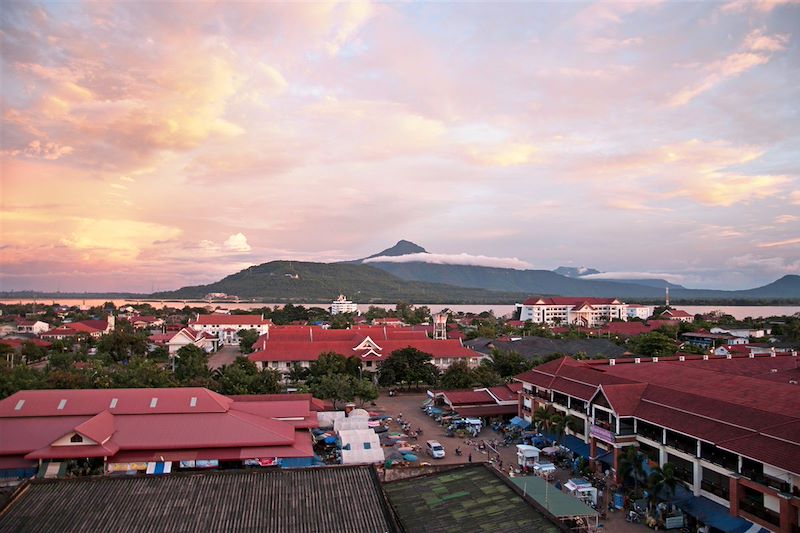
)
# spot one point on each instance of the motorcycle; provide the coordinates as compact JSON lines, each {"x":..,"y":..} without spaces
{"x":459,"y":452}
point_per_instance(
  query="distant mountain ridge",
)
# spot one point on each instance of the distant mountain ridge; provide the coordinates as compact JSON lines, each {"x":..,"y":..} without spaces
{"x":416,"y":281}
{"x":545,"y":282}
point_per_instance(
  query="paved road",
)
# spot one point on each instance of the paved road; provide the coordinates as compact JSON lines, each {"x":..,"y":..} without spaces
{"x":225,"y":356}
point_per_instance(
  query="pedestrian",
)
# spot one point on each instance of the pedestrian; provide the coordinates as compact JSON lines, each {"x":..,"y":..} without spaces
{"x":501,"y":464}
{"x":469,"y":457}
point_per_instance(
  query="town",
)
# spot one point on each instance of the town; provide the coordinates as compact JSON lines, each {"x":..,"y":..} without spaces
{"x":581,"y":413}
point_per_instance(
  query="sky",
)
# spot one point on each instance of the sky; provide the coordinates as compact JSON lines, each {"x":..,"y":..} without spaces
{"x":148,"y":146}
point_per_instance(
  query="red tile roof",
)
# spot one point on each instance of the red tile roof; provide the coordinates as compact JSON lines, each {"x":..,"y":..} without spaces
{"x":571,"y":301}
{"x":310,"y":351}
{"x":148,"y":422}
{"x":719,"y":400}
{"x":237,"y":320}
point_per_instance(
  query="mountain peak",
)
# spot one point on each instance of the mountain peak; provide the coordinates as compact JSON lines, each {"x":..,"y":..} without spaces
{"x":573,"y":272}
{"x":402,"y":247}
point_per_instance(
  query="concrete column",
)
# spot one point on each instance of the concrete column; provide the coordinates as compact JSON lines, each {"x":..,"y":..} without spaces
{"x":697,"y":478}
{"x":616,"y":465}
{"x":662,"y":456}
{"x":734,"y":495}
{"x":592,"y":451}
{"x":788,"y":513}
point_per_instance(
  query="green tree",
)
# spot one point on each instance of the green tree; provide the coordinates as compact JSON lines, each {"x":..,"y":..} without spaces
{"x":457,"y":376}
{"x":21,"y":377}
{"x":297,"y":374}
{"x":335,"y":387}
{"x":191,"y":364}
{"x":631,"y":467}
{"x":247,"y":337}
{"x":662,"y":483}
{"x":485,"y":376}
{"x":145,"y":373}
{"x":654,"y":344}
{"x":364,"y":390}
{"x":508,"y":363}
{"x":409,"y":366}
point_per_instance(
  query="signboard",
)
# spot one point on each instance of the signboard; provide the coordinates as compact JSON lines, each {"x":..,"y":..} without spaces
{"x":602,"y":434}
{"x":673,"y":522}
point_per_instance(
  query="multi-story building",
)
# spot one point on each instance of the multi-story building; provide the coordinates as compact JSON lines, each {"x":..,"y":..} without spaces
{"x":729,"y":426}
{"x":226,"y":327}
{"x":586,"y":312}
{"x":343,"y":305}
{"x":642,"y":312}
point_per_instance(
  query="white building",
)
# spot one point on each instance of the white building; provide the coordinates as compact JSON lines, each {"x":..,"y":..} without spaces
{"x":642,"y":312}
{"x":207,"y":342}
{"x":343,"y":305}
{"x":586,"y":312}
{"x":32,"y":326}
{"x":226,"y":327}
{"x":744,"y":333}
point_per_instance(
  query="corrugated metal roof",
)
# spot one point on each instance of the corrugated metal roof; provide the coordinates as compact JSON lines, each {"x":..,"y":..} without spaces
{"x":312,"y":500}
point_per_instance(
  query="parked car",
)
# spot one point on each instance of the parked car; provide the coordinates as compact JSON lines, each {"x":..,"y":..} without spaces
{"x":434,"y":449}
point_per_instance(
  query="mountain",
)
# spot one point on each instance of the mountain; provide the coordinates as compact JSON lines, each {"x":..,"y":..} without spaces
{"x":575,"y":272}
{"x":280,"y":281}
{"x":402,"y":247}
{"x":545,"y":282}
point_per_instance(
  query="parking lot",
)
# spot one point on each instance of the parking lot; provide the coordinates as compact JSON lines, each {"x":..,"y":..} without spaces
{"x":409,"y":404}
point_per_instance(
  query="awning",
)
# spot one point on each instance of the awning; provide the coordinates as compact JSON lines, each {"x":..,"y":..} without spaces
{"x":713,"y":514}
{"x":520,"y":422}
{"x":576,"y":446}
{"x":487,"y":410}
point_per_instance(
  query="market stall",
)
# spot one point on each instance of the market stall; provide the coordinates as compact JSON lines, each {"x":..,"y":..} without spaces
{"x":582,"y":489}
{"x":527,"y":456}
{"x":545,"y":470}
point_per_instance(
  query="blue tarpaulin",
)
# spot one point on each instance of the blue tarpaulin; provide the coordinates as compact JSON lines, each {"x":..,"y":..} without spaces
{"x":713,"y":514}
{"x":520,"y":422}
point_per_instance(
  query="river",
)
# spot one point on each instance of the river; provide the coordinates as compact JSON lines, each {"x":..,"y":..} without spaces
{"x":737,"y":311}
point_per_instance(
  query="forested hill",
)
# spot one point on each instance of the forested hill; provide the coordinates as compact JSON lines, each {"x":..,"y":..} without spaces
{"x":281,"y":281}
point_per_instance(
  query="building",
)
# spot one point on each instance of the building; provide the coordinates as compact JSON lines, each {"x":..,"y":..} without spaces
{"x":226,"y":327}
{"x":482,"y":402}
{"x":283,"y":347}
{"x":145,"y":322}
{"x":206,"y":341}
{"x":585,"y":312}
{"x":642,"y":312}
{"x":125,"y":429}
{"x":676,"y":314}
{"x":704,"y":339}
{"x":744,"y":333}
{"x":730,"y":426}
{"x":83,"y":328}
{"x":468,"y":498}
{"x":342,"y":499}
{"x":343,"y":305}
{"x":35,"y":327}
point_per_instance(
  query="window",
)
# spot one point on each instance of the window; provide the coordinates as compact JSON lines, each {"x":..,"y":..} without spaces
{"x":369,"y":364}
{"x":76,"y":438}
{"x":367,"y":446}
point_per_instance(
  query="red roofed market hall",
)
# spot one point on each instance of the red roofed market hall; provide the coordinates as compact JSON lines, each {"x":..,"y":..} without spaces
{"x":730,"y":426}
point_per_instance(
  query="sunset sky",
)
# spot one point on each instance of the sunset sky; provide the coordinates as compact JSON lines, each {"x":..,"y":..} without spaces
{"x":151,"y":145}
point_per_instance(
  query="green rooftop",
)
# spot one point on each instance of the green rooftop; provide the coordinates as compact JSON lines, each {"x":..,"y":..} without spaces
{"x":469,"y":498}
{"x":552,"y":499}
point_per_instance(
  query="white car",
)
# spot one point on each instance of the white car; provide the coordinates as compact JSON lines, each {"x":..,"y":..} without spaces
{"x":435,"y":449}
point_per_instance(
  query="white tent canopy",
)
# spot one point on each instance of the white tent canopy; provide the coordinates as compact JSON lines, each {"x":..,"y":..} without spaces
{"x":361,"y":446}
{"x":327,"y":419}
{"x":350,"y":423}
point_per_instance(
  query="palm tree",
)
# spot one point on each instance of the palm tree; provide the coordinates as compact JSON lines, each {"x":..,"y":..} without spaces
{"x":542,"y":417}
{"x":632,"y":465}
{"x":561,"y":423}
{"x":662,"y":480}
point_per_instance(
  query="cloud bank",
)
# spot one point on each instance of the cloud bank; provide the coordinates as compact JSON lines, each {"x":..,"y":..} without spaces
{"x":672,"y":278}
{"x":454,"y":259}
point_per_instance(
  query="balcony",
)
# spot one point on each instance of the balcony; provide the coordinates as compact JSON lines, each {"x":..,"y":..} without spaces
{"x":717,"y":489}
{"x":758,"y":510}
{"x":767,"y":481}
